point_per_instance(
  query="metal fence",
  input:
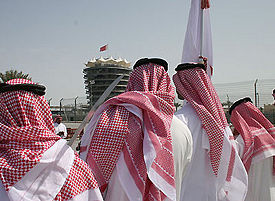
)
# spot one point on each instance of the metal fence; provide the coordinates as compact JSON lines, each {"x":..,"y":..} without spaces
{"x":71,"y":109}
{"x":77,"y":101}
{"x":260,"y":91}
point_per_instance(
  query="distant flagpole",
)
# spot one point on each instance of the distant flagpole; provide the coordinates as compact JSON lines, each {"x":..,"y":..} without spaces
{"x":198,"y":37}
{"x":201,"y":34}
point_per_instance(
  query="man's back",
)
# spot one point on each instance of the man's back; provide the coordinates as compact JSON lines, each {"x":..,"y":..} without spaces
{"x":182,"y":149}
{"x":141,"y":156}
{"x":199,"y":180}
{"x":200,"y":183}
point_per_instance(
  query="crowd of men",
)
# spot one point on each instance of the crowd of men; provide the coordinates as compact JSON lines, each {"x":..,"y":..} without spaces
{"x":136,"y":147}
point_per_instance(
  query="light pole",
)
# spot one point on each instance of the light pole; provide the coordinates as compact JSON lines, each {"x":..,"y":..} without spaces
{"x":255,"y":93}
{"x":258,"y":99}
{"x":60,"y":105}
{"x":75,"y":107}
{"x":228,"y":101}
{"x":49,"y":101}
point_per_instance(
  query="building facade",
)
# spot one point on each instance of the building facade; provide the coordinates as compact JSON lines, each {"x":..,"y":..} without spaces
{"x":100,"y":73}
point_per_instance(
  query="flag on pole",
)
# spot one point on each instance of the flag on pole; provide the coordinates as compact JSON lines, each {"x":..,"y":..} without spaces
{"x":103,"y":48}
{"x":205,"y":4}
{"x":198,"y":36}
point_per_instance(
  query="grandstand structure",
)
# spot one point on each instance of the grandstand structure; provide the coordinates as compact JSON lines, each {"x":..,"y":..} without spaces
{"x":101,"y":72}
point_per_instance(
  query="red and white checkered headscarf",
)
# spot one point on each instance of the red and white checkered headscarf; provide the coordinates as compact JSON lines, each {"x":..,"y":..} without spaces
{"x":26,"y":132}
{"x":79,"y":180}
{"x":195,"y":86}
{"x":150,"y":90}
{"x":257,"y":131}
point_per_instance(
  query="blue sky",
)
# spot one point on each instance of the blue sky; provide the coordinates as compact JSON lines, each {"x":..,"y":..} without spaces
{"x":52,"y":39}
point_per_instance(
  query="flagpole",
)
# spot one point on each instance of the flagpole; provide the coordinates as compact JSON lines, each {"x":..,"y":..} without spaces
{"x":90,"y":114}
{"x":201,"y":36}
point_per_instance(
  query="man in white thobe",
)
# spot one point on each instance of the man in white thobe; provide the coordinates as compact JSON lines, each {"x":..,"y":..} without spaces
{"x":216,"y":172}
{"x":182,"y":147}
{"x":145,"y":109}
{"x":59,"y":127}
{"x":256,"y":146}
{"x":35,"y":163}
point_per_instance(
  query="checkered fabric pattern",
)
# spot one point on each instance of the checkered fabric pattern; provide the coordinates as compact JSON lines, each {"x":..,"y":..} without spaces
{"x":195,"y":86}
{"x":79,"y":180}
{"x":256,"y":130}
{"x":117,"y":130}
{"x":26,"y":132}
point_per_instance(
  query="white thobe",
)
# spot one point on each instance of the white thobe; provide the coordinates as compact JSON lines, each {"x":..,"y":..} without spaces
{"x":200,"y":183}
{"x":261,"y":181}
{"x":60,"y":128}
{"x":182,"y":148}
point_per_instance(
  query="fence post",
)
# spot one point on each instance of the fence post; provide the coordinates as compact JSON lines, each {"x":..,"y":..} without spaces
{"x":75,"y":108}
{"x":60,"y":105}
{"x":49,"y":102}
{"x":255,"y":88}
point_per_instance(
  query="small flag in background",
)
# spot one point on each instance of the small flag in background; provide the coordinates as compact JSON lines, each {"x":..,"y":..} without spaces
{"x":103,"y":48}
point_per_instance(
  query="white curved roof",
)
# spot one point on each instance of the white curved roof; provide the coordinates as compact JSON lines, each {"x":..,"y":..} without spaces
{"x":92,"y":60}
{"x":120,"y":62}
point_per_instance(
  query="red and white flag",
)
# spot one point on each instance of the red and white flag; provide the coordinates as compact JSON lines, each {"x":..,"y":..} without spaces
{"x":195,"y":37}
{"x":103,"y":48}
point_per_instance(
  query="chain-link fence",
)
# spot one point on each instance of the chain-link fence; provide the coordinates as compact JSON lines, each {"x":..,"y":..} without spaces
{"x":75,"y":109}
{"x":260,"y":91}
{"x":71,"y":109}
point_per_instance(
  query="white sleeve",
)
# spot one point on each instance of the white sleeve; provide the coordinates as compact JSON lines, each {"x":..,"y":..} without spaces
{"x":3,"y":193}
{"x":115,"y":190}
{"x":182,"y":149}
{"x":88,"y":195}
{"x":65,"y":131}
{"x":240,"y":145}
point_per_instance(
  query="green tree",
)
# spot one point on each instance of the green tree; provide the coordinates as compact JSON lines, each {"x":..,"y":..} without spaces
{"x":227,"y":103}
{"x":177,"y":105}
{"x":13,"y":74}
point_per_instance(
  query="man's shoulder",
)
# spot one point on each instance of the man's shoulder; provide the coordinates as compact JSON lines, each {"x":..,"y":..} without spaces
{"x":60,"y":125}
{"x":63,"y":125}
{"x":178,"y":124}
{"x":176,"y":120}
{"x":188,"y":115}
{"x":186,"y":111}
{"x":180,"y":131}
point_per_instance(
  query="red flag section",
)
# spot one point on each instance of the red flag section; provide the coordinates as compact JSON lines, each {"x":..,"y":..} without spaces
{"x":205,"y":4}
{"x":103,"y":48}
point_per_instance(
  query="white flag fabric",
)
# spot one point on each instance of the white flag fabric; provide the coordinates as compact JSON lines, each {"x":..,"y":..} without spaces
{"x":192,"y":42}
